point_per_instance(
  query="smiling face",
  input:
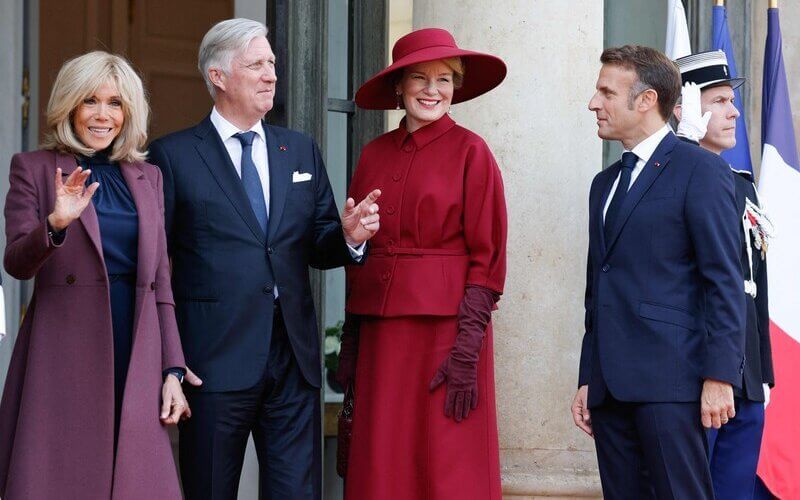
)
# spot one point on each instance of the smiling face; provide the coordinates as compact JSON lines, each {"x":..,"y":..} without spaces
{"x":246,"y":92}
{"x":721,"y":134}
{"x":98,"y":119}
{"x":427,"y":91}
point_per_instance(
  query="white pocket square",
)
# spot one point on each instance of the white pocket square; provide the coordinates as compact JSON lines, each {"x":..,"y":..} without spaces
{"x":298,"y":177}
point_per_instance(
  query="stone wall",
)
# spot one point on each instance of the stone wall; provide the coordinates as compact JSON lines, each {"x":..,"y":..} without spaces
{"x":539,"y":128}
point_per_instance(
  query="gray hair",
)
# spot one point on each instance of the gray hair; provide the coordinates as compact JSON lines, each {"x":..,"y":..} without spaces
{"x":636,"y":89}
{"x":222,"y":42}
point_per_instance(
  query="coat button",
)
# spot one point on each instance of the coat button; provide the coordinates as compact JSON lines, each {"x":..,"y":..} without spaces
{"x":153,"y":285}
{"x":386,"y":276}
{"x":397,"y":176}
{"x":605,"y":268}
{"x":408,"y":148}
{"x":269,"y":250}
{"x":70,"y":279}
{"x":390,"y":209}
{"x":267,"y":289}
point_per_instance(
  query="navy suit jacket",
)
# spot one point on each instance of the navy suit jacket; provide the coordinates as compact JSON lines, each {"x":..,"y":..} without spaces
{"x":224,"y":267}
{"x":664,"y":302}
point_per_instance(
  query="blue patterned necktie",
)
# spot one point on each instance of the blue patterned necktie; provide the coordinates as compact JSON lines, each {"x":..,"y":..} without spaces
{"x":628,"y":162}
{"x":251,"y":181}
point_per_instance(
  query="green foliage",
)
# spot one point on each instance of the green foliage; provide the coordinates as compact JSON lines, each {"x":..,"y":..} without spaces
{"x":332,"y":345}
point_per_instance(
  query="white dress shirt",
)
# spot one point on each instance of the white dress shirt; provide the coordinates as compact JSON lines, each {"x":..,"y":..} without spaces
{"x":644,"y":150}
{"x":227,"y":132}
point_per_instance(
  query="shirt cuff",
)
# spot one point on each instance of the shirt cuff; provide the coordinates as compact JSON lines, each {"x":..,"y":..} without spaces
{"x":178,"y":372}
{"x":56,"y":237}
{"x":358,"y":252}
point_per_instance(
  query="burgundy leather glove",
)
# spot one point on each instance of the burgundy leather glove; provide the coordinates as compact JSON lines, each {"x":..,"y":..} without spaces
{"x":346,"y":373}
{"x":460,"y":368}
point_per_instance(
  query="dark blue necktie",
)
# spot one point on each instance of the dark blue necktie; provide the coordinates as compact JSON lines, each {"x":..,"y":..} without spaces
{"x":251,"y":181}
{"x":628,"y":162}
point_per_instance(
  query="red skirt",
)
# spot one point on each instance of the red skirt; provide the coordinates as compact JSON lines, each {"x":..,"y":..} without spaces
{"x":403,"y":447}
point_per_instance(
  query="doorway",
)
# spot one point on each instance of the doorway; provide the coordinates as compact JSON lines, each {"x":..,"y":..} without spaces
{"x":159,"y":38}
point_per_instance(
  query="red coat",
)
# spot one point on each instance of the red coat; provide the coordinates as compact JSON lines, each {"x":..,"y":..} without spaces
{"x":57,"y":412}
{"x":443,"y":222}
{"x":443,"y":227}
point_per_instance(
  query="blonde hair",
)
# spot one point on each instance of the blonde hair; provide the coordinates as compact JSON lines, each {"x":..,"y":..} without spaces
{"x":456,"y":65}
{"x":78,"y":79}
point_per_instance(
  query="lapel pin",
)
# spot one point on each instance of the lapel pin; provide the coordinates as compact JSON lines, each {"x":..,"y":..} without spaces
{"x":282,"y":148}
{"x":656,"y":164}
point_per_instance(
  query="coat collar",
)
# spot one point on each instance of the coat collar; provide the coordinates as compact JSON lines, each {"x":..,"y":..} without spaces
{"x":226,"y":129}
{"x":213,"y":153}
{"x":424,"y":135}
{"x":652,"y":169}
{"x":280,"y":175}
{"x":68,"y":163}
{"x":146,"y":201}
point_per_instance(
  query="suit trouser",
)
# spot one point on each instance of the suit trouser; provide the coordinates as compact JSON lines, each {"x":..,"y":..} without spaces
{"x":649,"y":450}
{"x":283,"y":413}
{"x":734,"y":452}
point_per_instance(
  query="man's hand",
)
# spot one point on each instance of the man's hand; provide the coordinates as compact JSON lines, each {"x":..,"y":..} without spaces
{"x":174,"y":406}
{"x":693,"y":124}
{"x":580,"y":410}
{"x":191,"y":378}
{"x":361,"y":222}
{"x":716,"y":403}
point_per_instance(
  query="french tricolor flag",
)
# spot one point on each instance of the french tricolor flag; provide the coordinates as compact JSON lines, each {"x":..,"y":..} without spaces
{"x":779,"y":190}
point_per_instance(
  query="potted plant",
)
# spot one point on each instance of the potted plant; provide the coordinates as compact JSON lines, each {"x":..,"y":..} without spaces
{"x":332,"y":346}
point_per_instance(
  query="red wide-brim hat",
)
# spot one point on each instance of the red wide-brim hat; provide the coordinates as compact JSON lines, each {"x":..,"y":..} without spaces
{"x":482,"y":72}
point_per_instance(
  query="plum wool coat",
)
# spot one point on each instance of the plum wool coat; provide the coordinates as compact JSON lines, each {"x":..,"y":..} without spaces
{"x":57,"y":412}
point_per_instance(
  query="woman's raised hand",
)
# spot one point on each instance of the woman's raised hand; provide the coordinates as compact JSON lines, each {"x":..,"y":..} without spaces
{"x":72,"y":197}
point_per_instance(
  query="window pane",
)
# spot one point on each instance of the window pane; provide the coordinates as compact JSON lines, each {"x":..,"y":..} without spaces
{"x":625,"y":24}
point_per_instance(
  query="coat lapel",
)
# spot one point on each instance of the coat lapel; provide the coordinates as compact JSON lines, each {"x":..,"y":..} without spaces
{"x":280,"y":177}
{"x":147,"y":207}
{"x":88,"y":217}
{"x":613,"y":172}
{"x":215,"y":156}
{"x":652,"y":169}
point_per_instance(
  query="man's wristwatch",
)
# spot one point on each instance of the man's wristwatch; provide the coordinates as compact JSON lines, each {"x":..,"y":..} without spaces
{"x":178,"y":372}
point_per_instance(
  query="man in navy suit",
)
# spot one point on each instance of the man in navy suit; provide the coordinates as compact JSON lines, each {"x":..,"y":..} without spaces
{"x":248,"y":208}
{"x":664,"y":338}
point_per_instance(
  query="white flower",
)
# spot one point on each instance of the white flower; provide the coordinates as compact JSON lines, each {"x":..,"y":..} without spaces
{"x":332,"y":345}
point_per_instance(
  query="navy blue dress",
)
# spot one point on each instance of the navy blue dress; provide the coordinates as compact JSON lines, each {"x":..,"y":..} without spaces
{"x":119,"y":235}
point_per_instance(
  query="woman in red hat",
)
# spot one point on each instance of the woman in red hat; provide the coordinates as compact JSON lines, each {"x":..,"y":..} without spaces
{"x":424,"y":424}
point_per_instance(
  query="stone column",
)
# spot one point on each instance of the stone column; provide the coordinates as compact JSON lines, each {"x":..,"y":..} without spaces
{"x":539,"y":128}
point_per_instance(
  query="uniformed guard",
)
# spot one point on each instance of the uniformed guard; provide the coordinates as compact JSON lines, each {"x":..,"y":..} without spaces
{"x":707,"y":116}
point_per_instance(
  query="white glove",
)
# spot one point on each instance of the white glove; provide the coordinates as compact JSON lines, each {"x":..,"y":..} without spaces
{"x":693,"y":125}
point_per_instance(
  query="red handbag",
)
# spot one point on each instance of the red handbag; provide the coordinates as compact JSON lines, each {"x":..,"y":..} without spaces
{"x":345,"y":432}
